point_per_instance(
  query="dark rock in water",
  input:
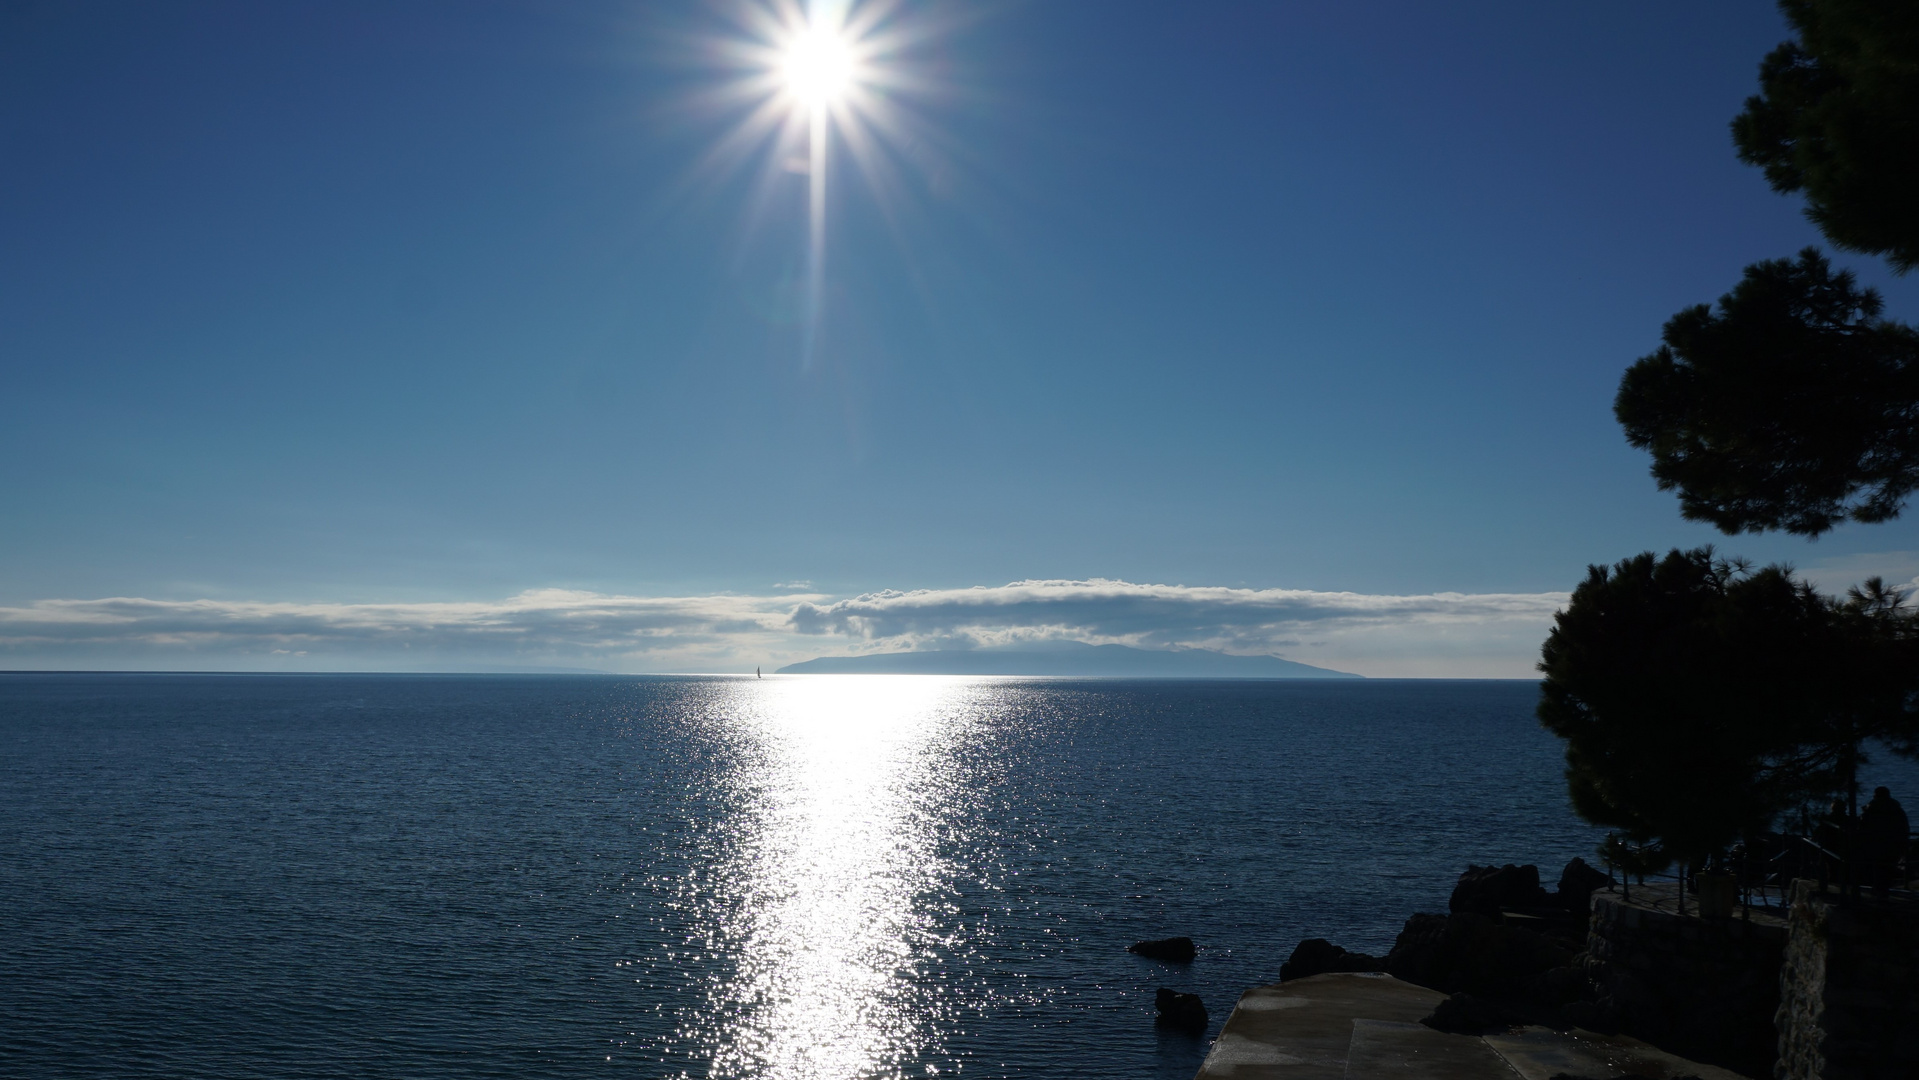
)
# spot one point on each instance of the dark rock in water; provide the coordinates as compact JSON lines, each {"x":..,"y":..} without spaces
{"x":1182,"y":1011}
{"x":1173,"y":950}
{"x":1317,"y":956}
{"x":1313,"y":956}
{"x":1577,"y":883}
{"x":1464,"y":1014}
{"x":1487,"y":889}
{"x":1470,"y":952}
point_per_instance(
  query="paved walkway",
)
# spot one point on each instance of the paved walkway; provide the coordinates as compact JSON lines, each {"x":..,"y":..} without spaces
{"x":1366,"y":1026}
{"x":1664,"y":898}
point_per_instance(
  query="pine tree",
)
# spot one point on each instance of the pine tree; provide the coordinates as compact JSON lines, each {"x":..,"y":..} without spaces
{"x":1700,"y":699}
{"x":1797,"y":406}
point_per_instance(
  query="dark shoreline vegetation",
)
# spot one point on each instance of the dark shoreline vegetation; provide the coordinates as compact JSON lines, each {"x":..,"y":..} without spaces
{"x":1703,"y":700}
{"x":1705,"y":703}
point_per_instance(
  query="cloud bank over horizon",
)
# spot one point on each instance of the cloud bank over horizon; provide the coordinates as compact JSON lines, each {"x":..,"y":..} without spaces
{"x":1465,"y":634}
{"x":1437,"y":635}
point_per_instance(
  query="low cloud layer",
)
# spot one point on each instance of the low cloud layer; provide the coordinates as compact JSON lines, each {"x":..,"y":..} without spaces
{"x":1835,"y":573}
{"x":1151,"y":615}
{"x":1441,"y":634}
{"x":542,"y":627}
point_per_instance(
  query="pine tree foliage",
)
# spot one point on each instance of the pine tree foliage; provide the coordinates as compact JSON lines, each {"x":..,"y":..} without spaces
{"x":1794,"y":406}
{"x":1837,"y":119}
{"x":1699,"y":699}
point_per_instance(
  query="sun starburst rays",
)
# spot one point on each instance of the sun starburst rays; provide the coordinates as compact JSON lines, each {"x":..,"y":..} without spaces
{"x":810,"y":85}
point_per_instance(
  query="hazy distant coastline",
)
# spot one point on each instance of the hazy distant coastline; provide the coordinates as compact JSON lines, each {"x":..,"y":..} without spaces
{"x":1068,"y":658}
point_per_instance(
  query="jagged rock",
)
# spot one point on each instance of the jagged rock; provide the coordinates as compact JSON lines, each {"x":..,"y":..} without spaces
{"x":1464,"y":1014}
{"x":1487,"y":889}
{"x":1577,"y":883}
{"x":1419,"y":954}
{"x":1317,"y":956}
{"x":1177,"y":1010}
{"x":1470,"y":952}
{"x":1313,"y":956}
{"x":1173,"y":950}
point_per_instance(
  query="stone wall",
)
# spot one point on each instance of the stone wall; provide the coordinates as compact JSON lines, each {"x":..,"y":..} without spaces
{"x":1704,"y":988}
{"x":1849,"y":989}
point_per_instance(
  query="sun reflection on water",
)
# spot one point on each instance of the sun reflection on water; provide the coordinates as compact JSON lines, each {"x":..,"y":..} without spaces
{"x":825,"y":890}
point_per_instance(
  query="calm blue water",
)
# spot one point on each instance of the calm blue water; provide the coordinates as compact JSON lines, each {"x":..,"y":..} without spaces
{"x":815,"y":877}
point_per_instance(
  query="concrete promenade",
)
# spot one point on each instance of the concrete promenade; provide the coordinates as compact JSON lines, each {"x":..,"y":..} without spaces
{"x":1361,"y":1026}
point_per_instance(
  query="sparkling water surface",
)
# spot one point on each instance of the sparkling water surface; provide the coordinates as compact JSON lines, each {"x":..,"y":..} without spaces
{"x":815,"y":878}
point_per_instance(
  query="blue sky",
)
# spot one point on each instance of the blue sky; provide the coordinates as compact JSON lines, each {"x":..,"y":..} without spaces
{"x":450,"y":304}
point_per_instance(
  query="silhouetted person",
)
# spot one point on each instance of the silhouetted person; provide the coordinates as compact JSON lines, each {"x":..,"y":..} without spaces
{"x":1882,"y":838}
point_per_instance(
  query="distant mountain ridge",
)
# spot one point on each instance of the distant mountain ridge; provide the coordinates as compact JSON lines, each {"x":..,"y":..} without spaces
{"x":1068,"y":658}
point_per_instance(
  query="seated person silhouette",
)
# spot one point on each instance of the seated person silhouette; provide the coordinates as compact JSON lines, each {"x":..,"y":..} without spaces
{"x":1882,"y":839}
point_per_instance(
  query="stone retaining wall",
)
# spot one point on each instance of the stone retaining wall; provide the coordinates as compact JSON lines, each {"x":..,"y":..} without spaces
{"x":1705,"y":988}
{"x":1849,"y":989}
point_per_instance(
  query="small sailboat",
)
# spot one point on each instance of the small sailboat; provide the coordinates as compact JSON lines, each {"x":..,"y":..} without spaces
{"x":756,"y":672}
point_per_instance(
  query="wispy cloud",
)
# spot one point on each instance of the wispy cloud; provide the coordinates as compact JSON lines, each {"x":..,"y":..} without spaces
{"x":1835,"y":573}
{"x":542,"y":626}
{"x":1435,"y":634}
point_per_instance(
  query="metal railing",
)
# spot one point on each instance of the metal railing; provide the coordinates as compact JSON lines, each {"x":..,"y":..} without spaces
{"x":1764,"y":878}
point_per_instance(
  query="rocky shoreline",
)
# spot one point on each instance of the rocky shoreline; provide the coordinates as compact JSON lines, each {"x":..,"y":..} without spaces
{"x":1510,"y":954}
{"x":1507,"y":950}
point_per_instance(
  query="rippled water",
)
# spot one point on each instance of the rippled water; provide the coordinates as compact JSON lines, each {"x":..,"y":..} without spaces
{"x":815,"y":877}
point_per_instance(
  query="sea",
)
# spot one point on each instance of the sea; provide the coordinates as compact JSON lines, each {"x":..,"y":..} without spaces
{"x":809,"y":877}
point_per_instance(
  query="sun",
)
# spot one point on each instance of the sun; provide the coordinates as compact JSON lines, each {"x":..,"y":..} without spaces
{"x":818,"y":84}
{"x":819,"y":67}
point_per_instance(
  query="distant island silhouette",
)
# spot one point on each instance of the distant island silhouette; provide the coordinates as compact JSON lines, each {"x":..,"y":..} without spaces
{"x":1067,"y":658}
